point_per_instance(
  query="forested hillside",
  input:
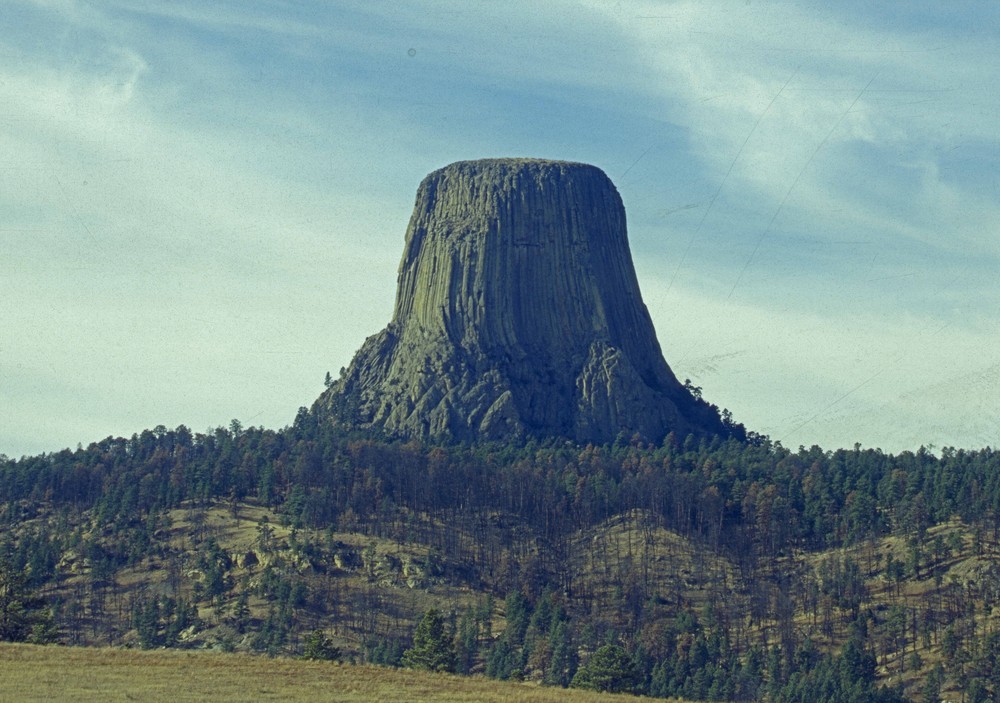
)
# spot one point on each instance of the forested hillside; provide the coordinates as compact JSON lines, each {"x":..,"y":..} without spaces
{"x":708,"y":569}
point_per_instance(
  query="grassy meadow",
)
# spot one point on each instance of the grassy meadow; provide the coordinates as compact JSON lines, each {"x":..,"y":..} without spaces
{"x":82,"y":674}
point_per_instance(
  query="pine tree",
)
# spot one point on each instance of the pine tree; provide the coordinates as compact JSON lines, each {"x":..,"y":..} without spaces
{"x":562,"y":664}
{"x":432,"y":649}
{"x":241,"y":613}
{"x":24,"y":615}
{"x":609,"y":669}
{"x":933,"y":683}
{"x":320,"y":647}
{"x":467,"y":642}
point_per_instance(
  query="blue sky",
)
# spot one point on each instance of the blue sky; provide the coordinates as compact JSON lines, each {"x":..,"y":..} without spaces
{"x":202,"y":205}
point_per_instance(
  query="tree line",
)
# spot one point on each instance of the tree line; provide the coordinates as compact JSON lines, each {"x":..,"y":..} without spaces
{"x":754,"y":501}
{"x":509,"y":514}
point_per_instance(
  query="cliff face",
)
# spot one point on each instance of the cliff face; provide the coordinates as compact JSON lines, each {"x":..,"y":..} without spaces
{"x":517,"y":313}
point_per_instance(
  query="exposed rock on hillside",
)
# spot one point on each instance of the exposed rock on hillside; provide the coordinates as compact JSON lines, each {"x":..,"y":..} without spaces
{"x":517,"y":313}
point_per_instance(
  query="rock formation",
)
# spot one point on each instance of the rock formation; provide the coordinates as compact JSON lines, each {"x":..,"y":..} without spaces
{"x":517,"y":314}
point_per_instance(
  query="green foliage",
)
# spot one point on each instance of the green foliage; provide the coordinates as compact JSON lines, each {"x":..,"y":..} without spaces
{"x":609,"y":669}
{"x":378,"y":650}
{"x":146,"y":620}
{"x":214,"y":563}
{"x":562,"y":665}
{"x":432,"y":648}
{"x":467,"y":642}
{"x":756,"y":493}
{"x":518,"y":613}
{"x":504,"y":661}
{"x":159,"y":621}
{"x":508,"y":514}
{"x":318,"y":646}
{"x":272,"y":634}
{"x":241,"y":612}
{"x":24,"y":616}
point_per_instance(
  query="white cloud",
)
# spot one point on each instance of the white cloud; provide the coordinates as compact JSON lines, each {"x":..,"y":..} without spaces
{"x":228,"y":17}
{"x":159,"y":268}
{"x":204,"y":205}
{"x":831,"y":378}
{"x":806,"y":97}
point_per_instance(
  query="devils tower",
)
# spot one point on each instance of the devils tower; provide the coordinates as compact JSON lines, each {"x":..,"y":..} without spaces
{"x":517,"y":314}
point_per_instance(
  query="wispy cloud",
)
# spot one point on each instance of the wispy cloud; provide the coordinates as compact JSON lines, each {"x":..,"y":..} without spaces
{"x":810,"y":378}
{"x":203,"y":203}
{"x":837,"y":104}
{"x":152,"y":244}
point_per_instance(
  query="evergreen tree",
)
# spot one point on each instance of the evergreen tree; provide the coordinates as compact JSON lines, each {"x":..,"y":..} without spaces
{"x":609,"y":669}
{"x":432,"y":649}
{"x":24,"y":616}
{"x":517,"y":611}
{"x":502,"y":661}
{"x":241,"y":613}
{"x":146,"y":619}
{"x":467,"y":644}
{"x":562,"y":664}
{"x":320,"y":647}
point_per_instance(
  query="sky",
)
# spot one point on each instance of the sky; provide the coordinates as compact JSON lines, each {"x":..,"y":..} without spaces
{"x":203,"y":205}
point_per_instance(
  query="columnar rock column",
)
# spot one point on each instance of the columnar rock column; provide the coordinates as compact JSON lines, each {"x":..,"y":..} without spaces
{"x":517,"y":313}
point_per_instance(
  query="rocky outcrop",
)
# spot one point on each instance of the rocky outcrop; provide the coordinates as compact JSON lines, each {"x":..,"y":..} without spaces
{"x":517,"y":314}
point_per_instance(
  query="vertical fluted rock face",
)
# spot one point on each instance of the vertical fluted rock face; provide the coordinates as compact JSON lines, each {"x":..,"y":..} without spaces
{"x":517,"y":313}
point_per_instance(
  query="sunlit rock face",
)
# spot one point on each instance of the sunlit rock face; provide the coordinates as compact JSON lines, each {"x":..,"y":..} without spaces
{"x":517,"y":314}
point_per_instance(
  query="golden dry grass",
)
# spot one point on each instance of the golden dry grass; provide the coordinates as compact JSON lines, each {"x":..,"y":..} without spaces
{"x":31,"y":673}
